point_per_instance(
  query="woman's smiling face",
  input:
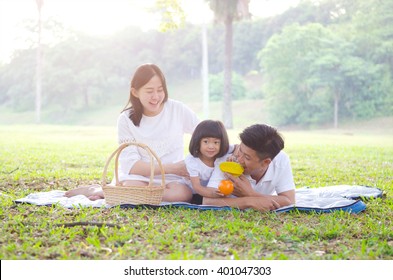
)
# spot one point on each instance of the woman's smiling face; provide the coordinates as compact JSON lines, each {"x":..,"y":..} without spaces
{"x":151,"y":95}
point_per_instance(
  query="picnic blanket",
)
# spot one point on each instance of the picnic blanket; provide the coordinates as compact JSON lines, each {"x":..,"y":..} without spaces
{"x":348,"y":198}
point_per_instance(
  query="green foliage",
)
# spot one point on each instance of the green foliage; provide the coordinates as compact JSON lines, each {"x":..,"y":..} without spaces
{"x":285,"y":63}
{"x":62,"y":157}
{"x":316,"y":70}
{"x":171,"y":13}
{"x":216,"y":85}
{"x":17,"y":80}
{"x":248,"y":38}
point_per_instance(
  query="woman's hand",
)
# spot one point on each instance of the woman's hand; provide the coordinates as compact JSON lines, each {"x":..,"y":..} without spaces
{"x":178,"y":168}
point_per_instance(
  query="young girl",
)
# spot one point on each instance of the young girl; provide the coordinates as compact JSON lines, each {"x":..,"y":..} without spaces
{"x":208,"y":143}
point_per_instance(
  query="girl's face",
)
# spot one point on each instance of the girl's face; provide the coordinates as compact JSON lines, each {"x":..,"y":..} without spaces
{"x":151,"y":95}
{"x":209,"y":147}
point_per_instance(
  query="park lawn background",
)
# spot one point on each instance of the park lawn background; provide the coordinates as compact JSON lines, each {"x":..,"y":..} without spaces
{"x":43,"y":158}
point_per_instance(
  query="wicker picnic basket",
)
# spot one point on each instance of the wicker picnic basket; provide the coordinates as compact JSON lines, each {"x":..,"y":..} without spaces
{"x":117,"y":194}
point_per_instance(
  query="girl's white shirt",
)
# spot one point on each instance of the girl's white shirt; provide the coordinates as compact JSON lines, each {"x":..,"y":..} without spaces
{"x":197,"y":168}
{"x":163,"y":134}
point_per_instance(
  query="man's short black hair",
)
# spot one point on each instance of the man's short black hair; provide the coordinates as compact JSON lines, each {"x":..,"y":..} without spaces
{"x":264,"y":139}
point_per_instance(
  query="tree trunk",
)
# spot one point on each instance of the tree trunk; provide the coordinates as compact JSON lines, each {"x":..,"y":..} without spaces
{"x":227,"y":102}
{"x":86,"y":99}
{"x":205,"y":72}
{"x":336,"y":102}
{"x":38,"y":66}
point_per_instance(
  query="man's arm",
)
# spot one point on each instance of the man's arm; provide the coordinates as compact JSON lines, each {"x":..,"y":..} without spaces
{"x":262,"y":204}
{"x":259,"y":202}
{"x":286,"y":198}
{"x":235,"y":202}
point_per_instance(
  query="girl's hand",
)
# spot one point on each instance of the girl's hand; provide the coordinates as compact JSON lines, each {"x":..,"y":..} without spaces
{"x":209,"y":192}
{"x":216,"y":193}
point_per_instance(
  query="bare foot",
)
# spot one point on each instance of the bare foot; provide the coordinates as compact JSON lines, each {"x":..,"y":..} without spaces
{"x":95,"y":197}
{"x":93,"y":192}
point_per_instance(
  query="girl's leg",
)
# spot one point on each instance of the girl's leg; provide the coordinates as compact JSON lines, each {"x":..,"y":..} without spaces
{"x":177,"y":192}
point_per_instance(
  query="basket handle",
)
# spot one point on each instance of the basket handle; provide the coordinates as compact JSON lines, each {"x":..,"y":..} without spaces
{"x":117,"y":153}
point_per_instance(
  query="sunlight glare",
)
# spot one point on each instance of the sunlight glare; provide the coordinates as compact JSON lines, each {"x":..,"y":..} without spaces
{"x":103,"y":17}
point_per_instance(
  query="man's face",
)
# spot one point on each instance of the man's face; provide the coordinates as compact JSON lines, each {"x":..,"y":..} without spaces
{"x":251,"y":163}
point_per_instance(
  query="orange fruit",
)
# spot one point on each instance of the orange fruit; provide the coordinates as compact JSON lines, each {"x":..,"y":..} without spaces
{"x":225,"y":187}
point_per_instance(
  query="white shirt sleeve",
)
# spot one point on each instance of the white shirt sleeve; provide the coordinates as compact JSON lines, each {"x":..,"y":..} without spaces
{"x":192,"y":166}
{"x":283,"y":179}
{"x":278,"y":177}
{"x":190,"y":119}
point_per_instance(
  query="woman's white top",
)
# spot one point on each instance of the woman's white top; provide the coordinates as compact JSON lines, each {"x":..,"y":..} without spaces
{"x":163,"y":134}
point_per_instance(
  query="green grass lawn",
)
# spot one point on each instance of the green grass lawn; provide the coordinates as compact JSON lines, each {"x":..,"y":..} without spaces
{"x":43,"y":158}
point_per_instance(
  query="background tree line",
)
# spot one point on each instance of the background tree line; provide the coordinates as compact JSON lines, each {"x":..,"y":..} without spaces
{"x":319,"y":62}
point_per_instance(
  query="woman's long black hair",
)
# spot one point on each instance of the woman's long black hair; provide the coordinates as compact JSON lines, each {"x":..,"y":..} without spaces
{"x":142,"y":76}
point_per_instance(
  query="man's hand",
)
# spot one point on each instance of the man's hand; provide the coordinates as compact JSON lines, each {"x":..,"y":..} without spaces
{"x":242,"y":186}
{"x":263,"y":204}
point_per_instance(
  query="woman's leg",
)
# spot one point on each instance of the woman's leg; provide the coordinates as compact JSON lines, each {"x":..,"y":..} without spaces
{"x":176,"y":191}
{"x":93,"y":192}
{"x":131,"y":183}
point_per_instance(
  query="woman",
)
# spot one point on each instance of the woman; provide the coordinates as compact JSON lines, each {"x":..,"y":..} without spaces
{"x":153,"y":119}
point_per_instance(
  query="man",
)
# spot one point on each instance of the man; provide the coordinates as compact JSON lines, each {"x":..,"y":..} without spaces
{"x":267,"y":181}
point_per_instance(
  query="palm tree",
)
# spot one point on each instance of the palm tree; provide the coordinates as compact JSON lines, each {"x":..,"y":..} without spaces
{"x":205,"y":71}
{"x":172,"y":17}
{"x":40,"y":3}
{"x":227,"y":11}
